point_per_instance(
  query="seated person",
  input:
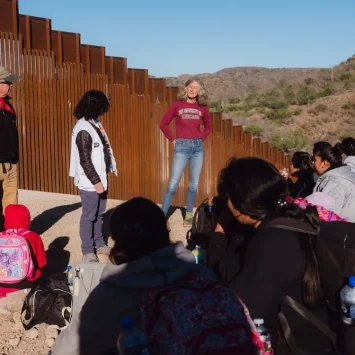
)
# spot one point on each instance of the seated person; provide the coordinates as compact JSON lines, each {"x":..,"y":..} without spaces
{"x":143,"y":258}
{"x":18,"y":220}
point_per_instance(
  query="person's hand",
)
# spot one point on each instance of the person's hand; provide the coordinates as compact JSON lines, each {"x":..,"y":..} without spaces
{"x":99,"y":188}
{"x":284,"y":173}
{"x":174,"y":141}
{"x":219,"y":228}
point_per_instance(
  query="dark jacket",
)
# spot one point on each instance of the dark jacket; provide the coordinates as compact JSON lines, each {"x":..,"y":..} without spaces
{"x":9,"y":150}
{"x":304,"y":185}
{"x":266,"y":267}
{"x":84,"y":144}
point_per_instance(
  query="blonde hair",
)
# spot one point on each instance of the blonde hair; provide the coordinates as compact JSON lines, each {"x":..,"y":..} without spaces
{"x":202,"y":97}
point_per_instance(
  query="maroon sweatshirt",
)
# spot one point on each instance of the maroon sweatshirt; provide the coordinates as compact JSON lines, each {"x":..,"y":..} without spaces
{"x":188,"y":119}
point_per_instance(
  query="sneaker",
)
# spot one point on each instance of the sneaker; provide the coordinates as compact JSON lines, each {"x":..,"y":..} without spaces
{"x":90,"y":258}
{"x":188,"y":219}
{"x":105,"y":250}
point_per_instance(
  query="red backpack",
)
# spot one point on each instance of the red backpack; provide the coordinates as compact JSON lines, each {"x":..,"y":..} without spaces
{"x":16,"y":262}
{"x":198,"y":316}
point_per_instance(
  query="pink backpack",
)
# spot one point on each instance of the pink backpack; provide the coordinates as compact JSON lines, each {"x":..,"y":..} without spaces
{"x":198,"y":316}
{"x":16,"y":262}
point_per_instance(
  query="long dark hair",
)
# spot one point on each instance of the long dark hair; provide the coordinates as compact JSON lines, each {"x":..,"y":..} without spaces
{"x":347,"y":146}
{"x":256,"y":188}
{"x":332,"y":155}
{"x":302,"y":161}
{"x":93,"y":104}
{"x":138,"y":228}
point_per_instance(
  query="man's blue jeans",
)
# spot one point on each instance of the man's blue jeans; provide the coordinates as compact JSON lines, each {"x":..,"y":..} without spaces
{"x":186,"y":150}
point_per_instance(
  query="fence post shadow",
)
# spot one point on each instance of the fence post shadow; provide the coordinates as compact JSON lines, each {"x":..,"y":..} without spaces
{"x":48,"y":218}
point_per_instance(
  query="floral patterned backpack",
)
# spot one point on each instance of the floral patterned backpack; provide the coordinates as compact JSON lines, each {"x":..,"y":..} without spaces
{"x":198,"y":316}
{"x":16,"y":262}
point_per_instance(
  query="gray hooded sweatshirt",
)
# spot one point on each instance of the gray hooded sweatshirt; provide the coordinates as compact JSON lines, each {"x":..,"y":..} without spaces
{"x":339,"y":184}
{"x":350,"y":161}
{"x":96,"y":329}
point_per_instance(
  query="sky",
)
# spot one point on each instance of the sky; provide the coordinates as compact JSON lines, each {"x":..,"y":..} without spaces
{"x":173,"y":37}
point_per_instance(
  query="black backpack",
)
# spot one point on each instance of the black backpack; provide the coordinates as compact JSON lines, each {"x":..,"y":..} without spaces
{"x":202,"y":224}
{"x":49,"y":302}
{"x":335,"y":251}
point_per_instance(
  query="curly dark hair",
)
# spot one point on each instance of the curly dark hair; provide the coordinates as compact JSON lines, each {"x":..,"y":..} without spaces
{"x":93,"y":104}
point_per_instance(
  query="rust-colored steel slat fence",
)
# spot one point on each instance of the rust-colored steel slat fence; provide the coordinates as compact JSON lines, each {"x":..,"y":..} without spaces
{"x":55,"y":70}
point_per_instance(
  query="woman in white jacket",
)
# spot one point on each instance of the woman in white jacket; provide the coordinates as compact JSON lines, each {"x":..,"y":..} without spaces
{"x":90,"y":161}
{"x":337,"y":180}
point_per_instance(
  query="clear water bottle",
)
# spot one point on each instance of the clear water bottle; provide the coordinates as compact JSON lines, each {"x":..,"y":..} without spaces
{"x":70,"y":278}
{"x":132,"y":341}
{"x":199,"y":254}
{"x":347,"y":299}
{"x":264,"y":335}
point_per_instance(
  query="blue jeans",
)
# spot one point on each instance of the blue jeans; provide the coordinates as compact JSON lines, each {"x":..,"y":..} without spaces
{"x":186,"y":150}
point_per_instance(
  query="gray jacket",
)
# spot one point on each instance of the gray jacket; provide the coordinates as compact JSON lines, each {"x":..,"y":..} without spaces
{"x":96,"y":329}
{"x":350,"y":161}
{"x":339,"y":183}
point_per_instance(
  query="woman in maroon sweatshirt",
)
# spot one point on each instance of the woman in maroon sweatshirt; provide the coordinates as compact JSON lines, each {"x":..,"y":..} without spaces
{"x":189,"y":111}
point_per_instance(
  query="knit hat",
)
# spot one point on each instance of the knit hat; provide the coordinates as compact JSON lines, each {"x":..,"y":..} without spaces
{"x":5,"y":75}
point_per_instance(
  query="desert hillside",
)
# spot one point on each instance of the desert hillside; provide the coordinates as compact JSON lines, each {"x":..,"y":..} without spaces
{"x":291,"y":108}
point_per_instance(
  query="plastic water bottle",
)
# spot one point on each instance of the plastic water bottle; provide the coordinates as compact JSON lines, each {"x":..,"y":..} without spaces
{"x":132,"y":341}
{"x":347,"y":299}
{"x":199,"y":254}
{"x":264,"y":335}
{"x":70,"y":278}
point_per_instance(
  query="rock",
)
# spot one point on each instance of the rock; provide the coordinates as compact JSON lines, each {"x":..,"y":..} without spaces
{"x":5,"y":314}
{"x":14,"y":301}
{"x":51,"y":333}
{"x":18,"y":327}
{"x":31,"y":334}
{"x":49,"y":342}
{"x":15,"y":342}
{"x":16,"y":317}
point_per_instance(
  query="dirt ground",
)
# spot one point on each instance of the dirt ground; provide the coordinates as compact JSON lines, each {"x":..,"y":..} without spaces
{"x":56,"y":218}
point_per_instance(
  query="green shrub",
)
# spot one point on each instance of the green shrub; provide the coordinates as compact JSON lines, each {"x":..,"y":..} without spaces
{"x":349,"y":106}
{"x":273,"y":99}
{"x":234,"y":101}
{"x":321,"y":108}
{"x":290,"y":95}
{"x":216,"y":106}
{"x":309,"y":81}
{"x":349,"y":84}
{"x":254,"y":129}
{"x":290,"y":141}
{"x":297,"y":112}
{"x":279,"y":114}
{"x":326,"y":90}
{"x":346,"y":76}
{"x":305,"y":95}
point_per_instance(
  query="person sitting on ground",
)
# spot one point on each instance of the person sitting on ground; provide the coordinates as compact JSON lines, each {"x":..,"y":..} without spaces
{"x":318,"y":146}
{"x":301,"y":169}
{"x":18,"y":220}
{"x":323,"y":203}
{"x":336,"y":180}
{"x":347,"y":147}
{"x":276,"y":262}
{"x":143,"y":258}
